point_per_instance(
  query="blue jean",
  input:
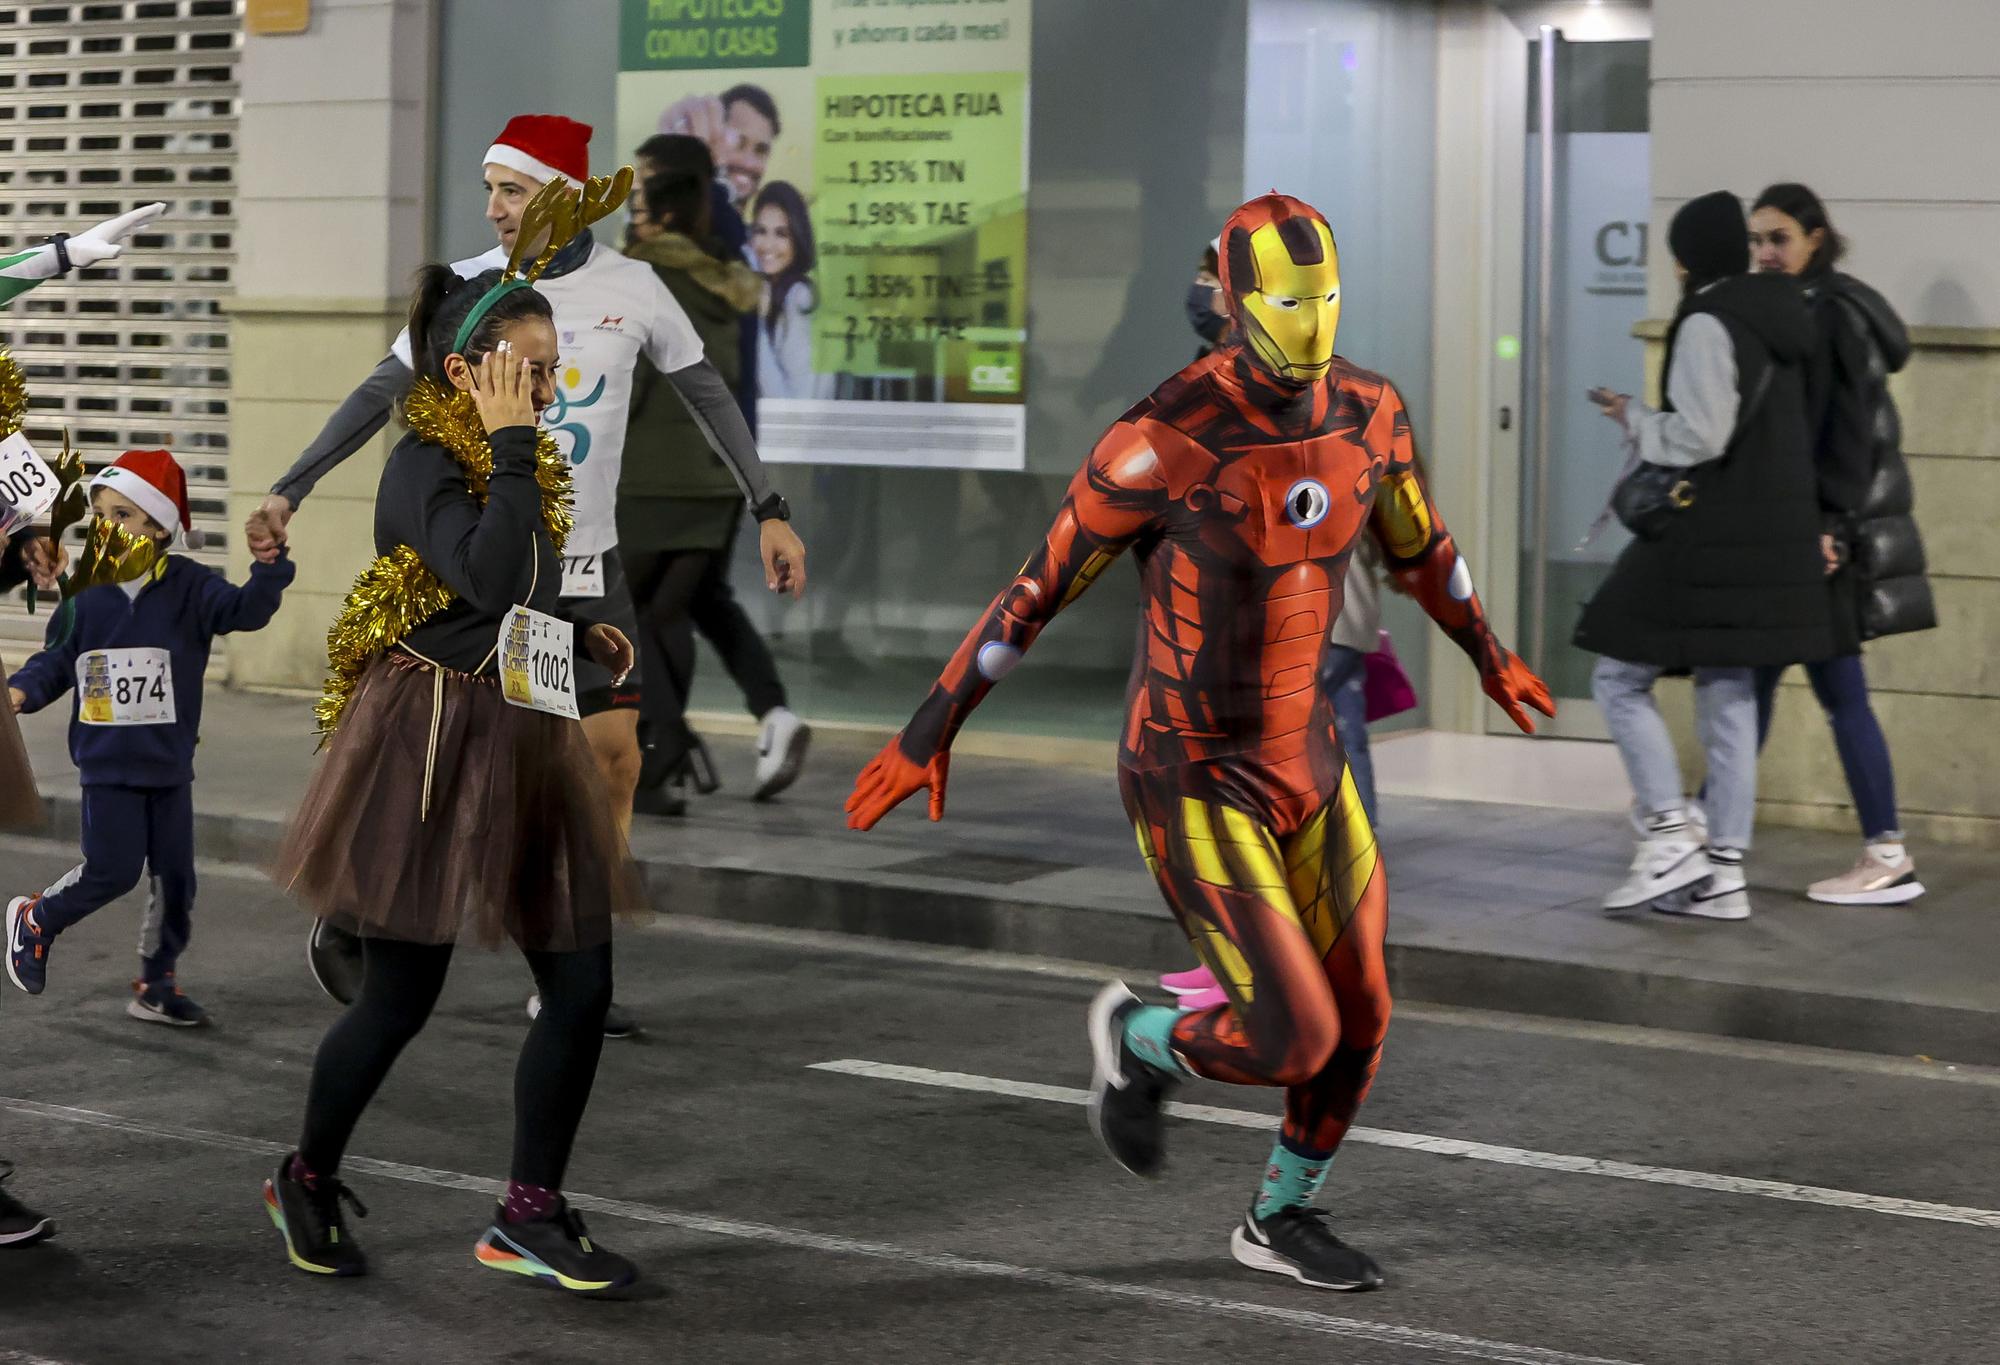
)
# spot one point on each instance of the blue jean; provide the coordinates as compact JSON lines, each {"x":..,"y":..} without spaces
{"x":1341,"y":673}
{"x":127,"y":830}
{"x":1725,"y":713}
{"x":1842,"y":688}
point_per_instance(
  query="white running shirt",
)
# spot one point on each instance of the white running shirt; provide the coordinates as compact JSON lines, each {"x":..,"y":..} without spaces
{"x":608,"y":311}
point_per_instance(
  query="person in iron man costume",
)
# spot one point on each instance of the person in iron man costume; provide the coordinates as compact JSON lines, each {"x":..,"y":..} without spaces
{"x":1242,"y":486}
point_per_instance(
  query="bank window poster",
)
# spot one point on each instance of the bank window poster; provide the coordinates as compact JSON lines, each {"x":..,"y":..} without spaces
{"x":877,"y":151}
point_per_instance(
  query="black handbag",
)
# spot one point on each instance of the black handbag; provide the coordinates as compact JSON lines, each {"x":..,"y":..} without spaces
{"x":1646,"y":500}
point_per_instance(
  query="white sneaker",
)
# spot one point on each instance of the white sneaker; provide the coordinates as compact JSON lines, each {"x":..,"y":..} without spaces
{"x":781,"y":752}
{"x":1875,"y":880}
{"x":1666,"y":860}
{"x":1723,"y":894}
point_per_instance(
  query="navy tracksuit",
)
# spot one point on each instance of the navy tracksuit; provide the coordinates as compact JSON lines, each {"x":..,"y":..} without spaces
{"x":138,"y":797}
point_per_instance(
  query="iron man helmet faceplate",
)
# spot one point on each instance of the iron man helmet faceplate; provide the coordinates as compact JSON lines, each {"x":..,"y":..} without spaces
{"x":1281,"y":273}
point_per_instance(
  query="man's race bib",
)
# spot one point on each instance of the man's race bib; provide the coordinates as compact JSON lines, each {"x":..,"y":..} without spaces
{"x":28,"y":487}
{"x":538,"y":662}
{"x":583,"y":576}
{"x":125,"y":687}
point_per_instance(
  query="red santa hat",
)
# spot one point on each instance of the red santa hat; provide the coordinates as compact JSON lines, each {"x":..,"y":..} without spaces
{"x":543,"y":147}
{"x":152,"y":482}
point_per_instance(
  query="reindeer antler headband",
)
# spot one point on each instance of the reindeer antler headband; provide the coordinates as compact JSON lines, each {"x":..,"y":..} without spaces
{"x":564,"y":212}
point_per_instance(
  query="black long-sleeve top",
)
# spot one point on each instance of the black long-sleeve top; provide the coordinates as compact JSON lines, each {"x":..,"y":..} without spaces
{"x":493,"y":558}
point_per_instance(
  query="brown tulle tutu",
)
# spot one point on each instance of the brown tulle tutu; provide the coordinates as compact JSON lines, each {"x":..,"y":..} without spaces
{"x":515,"y":839}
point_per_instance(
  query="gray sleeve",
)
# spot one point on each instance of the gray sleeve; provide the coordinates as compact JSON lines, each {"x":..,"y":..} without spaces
{"x":1702,"y":384}
{"x":702,"y":387}
{"x":354,"y":423}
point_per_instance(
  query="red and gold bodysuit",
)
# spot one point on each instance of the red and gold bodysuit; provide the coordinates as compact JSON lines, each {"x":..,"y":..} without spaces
{"x":1242,"y":492}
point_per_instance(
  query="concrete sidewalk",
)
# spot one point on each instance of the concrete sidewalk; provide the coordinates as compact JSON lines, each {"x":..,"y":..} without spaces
{"x":1492,"y":905}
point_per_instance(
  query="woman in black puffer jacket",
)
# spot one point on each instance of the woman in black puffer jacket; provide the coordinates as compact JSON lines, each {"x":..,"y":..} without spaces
{"x":1879,"y":587}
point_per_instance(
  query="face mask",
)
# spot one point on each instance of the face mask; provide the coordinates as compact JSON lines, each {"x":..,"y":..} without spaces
{"x":111,"y":554}
{"x":1283,"y":277}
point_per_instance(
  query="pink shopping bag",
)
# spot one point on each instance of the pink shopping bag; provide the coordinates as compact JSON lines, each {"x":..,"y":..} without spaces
{"x":1384,"y":684}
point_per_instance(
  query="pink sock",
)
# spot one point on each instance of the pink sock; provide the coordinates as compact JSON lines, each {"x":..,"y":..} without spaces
{"x":301,"y":1172}
{"x":529,"y":1203}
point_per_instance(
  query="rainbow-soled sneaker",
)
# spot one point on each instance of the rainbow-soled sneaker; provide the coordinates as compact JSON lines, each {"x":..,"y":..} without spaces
{"x":555,"y":1251}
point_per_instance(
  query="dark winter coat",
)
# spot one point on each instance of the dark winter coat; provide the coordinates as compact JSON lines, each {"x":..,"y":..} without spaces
{"x":182,"y":611}
{"x":1737,"y":579}
{"x":1864,"y":480}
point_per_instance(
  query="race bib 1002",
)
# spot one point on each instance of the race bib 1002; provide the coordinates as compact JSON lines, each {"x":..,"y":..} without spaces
{"x":583,"y":576}
{"x":28,"y":487}
{"x":538,"y":662}
{"x":125,"y":687}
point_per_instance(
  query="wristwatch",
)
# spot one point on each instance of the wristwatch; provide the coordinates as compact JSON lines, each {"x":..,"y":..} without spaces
{"x":772,"y":508}
{"x":63,"y":264}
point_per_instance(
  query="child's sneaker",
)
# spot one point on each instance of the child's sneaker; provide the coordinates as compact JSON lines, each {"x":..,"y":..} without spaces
{"x":555,"y":1251}
{"x":27,"y":946}
{"x":20,"y":1225}
{"x":161,"y":1002}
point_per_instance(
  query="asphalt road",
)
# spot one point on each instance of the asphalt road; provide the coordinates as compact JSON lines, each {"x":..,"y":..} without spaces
{"x":1537,"y":1192}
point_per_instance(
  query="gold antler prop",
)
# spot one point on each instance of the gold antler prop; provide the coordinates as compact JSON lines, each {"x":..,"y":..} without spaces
{"x":555,"y":217}
{"x":111,"y":554}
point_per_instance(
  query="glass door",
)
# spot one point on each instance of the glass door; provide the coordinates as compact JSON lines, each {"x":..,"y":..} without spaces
{"x":1588,"y":195}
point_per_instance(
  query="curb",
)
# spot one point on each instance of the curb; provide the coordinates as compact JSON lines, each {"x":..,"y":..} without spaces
{"x":1443,"y":976}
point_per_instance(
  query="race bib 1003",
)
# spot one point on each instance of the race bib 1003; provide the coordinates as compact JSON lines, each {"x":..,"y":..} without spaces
{"x":583,"y":576}
{"x":538,"y":662}
{"x":28,"y":487}
{"x":125,"y":687}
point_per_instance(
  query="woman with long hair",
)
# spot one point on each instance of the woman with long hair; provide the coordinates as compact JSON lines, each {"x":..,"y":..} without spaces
{"x":1873,"y":550}
{"x":781,"y":239}
{"x":458,"y":798}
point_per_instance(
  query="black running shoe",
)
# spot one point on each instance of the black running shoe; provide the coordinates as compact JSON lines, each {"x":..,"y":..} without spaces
{"x":308,"y":1218}
{"x":555,"y":1251}
{"x":1127,"y":1093}
{"x":20,"y":1225}
{"x":334,"y":955}
{"x":1297,"y":1242}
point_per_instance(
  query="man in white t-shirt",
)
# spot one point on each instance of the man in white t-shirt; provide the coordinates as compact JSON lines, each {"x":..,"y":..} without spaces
{"x":609,"y":310}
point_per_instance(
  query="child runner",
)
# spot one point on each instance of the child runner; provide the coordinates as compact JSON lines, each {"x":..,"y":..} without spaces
{"x":454,"y":646}
{"x":136,"y":656}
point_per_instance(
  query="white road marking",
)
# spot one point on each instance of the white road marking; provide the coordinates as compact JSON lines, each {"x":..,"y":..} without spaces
{"x":1443,"y":1146}
{"x":1325,"y":1324}
{"x":8,"y":1357}
{"x":1096,"y":974}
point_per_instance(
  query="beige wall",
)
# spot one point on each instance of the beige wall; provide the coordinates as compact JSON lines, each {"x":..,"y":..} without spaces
{"x":335,"y":142}
{"x":1887,"y":113}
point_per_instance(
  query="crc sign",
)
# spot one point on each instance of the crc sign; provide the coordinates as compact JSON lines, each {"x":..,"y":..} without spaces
{"x":1622,"y":245}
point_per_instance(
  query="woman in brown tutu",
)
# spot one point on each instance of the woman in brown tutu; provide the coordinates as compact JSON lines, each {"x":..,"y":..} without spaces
{"x":458,"y":799}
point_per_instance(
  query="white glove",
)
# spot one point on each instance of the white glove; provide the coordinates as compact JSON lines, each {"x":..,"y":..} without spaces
{"x":104,"y":242}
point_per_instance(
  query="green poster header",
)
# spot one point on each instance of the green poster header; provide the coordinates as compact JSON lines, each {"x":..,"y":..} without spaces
{"x":691,"y":35}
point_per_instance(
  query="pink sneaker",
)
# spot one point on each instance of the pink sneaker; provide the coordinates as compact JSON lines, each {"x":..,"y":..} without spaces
{"x":1202,"y":1000}
{"x":1194,"y":981}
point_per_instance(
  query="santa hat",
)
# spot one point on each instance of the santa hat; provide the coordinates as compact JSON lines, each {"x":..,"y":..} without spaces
{"x":543,"y":147}
{"x":152,"y":482}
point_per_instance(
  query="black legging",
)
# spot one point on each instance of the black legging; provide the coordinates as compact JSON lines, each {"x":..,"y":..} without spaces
{"x":399,"y":985}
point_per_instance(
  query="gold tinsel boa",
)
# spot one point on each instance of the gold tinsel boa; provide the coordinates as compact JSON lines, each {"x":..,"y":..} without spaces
{"x":397,"y":593}
{"x":13,"y":396}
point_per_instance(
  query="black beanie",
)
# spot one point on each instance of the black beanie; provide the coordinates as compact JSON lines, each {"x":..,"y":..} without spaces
{"x":1711,"y":238}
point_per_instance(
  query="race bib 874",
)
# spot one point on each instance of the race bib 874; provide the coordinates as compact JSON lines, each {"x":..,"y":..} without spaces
{"x":125,"y":687}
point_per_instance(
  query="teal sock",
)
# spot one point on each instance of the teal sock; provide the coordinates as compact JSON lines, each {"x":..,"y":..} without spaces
{"x":1291,"y":1180}
{"x":1149,"y":1031}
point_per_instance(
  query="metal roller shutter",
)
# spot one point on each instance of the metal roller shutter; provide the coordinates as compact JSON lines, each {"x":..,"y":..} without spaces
{"x":105,"y":106}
